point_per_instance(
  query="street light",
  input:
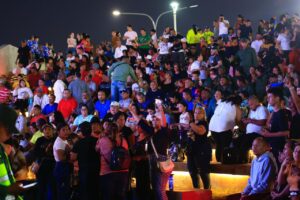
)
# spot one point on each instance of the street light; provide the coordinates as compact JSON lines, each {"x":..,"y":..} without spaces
{"x":174,"y":6}
{"x":117,"y":13}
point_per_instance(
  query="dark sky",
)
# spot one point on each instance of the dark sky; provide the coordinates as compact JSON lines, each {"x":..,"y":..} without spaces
{"x":53,"y":20}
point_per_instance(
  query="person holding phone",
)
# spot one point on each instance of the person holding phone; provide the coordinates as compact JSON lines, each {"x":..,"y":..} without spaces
{"x":8,"y":184}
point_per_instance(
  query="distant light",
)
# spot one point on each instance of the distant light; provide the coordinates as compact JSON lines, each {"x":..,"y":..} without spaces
{"x":194,"y":6}
{"x":116,"y":13}
{"x":174,"y":5}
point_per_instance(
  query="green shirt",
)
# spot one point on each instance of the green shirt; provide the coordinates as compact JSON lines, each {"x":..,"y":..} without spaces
{"x":119,"y":71}
{"x":36,"y":136}
{"x":144,"y":40}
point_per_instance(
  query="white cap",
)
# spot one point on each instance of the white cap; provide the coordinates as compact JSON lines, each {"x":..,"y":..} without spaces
{"x":149,"y":57}
{"x":114,"y":103}
{"x":183,"y":40}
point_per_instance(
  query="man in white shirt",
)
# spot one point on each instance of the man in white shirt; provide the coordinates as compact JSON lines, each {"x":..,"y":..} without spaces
{"x":130,"y":35}
{"x":59,"y":87}
{"x":40,"y":98}
{"x":119,"y":50}
{"x":255,"y":122}
{"x":223,"y":28}
{"x":256,"y":44}
{"x":163,"y":47}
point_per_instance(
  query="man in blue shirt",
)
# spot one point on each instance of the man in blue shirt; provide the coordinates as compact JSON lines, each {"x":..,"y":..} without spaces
{"x":102,"y":105}
{"x":77,"y":87}
{"x":262,"y":172}
{"x":51,"y":106}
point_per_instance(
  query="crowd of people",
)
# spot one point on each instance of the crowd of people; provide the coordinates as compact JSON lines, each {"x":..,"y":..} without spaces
{"x":145,"y":97}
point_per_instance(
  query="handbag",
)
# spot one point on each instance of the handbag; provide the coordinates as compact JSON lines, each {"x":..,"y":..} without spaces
{"x":166,"y":166}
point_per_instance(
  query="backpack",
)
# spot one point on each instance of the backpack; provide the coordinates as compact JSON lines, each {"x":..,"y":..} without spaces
{"x":120,"y":158}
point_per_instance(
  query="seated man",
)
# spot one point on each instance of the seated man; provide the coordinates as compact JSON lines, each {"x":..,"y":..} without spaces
{"x":262,"y":173}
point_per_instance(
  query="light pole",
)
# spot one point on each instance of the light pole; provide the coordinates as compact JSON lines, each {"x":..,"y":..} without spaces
{"x":155,"y":23}
{"x":174,"y":6}
{"x":117,"y":13}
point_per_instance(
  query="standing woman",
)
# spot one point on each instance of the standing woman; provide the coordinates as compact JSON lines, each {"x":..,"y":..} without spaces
{"x":199,"y":149}
{"x":113,"y":184}
{"x":227,"y":114}
{"x":22,"y":95}
{"x":63,"y":167}
{"x":72,"y":43}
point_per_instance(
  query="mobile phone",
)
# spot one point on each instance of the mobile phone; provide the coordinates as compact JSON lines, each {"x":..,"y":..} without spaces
{"x":28,"y":185}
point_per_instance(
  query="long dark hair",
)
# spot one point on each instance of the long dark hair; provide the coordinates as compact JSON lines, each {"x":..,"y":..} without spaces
{"x":112,"y":131}
{"x":233,"y":99}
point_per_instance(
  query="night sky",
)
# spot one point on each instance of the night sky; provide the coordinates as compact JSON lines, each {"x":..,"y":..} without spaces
{"x":53,"y":20}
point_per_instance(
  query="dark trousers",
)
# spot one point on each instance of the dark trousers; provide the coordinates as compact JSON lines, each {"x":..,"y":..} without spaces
{"x":159,"y":181}
{"x":245,"y":144}
{"x":195,"y":169}
{"x":89,"y":184}
{"x":62,"y":174}
{"x":113,"y":186}
{"x":222,"y":140}
{"x":46,"y":185}
{"x":22,"y":104}
{"x":142,"y":176}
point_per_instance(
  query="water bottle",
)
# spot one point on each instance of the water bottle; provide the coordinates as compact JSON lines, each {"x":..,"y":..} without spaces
{"x":171,"y":182}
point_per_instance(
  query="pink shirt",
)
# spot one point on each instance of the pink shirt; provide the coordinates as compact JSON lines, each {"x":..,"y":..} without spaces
{"x":104,"y":147}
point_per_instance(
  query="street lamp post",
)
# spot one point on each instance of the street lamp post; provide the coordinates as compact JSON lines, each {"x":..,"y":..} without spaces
{"x":117,"y":13}
{"x":175,"y":6}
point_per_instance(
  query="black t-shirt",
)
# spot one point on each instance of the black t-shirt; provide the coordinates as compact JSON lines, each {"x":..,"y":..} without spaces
{"x":280,"y":121}
{"x":43,"y":149}
{"x":88,"y":159}
{"x":160,"y":138}
{"x":43,"y":152}
{"x":295,"y":127}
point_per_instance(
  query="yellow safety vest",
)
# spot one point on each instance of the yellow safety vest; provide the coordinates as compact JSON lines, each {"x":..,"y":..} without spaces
{"x":6,"y":174}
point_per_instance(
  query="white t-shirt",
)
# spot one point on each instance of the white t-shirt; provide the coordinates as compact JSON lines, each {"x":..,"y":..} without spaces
{"x":164,"y":48}
{"x":132,"y":35}
{"x":259,"y":114}
{"x":223,"y":118}
{"x":223,"y":29}
{"x":59,"y":144}
{"x":256,"y":44}
{"x":284,"y":41}
{"x":58,"y":88}
{"x":41,"y":101}
{"x":184,"y":118}
{"x":195,"y":66}
{"x":23,"y":93}
{"x":119,"y":51}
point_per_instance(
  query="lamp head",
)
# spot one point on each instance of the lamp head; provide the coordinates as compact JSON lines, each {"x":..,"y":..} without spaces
{"x":116,"y":13}
{"x":174,"y":5}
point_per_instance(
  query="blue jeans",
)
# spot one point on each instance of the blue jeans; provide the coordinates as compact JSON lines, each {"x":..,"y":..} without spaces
{"x":116,"y":88}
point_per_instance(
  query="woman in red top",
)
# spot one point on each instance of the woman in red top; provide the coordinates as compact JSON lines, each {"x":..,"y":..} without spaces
{"x":113,"y":184}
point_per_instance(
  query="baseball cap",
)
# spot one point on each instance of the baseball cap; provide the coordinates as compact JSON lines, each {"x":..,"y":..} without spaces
{"x":46,"y":125}
{"x":8,"y":118}
{"x":114,"y":103}
{"x":126,"y":90}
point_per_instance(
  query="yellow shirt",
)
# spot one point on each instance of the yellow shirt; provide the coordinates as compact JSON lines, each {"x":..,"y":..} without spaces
{"x":193,"y":38}
{"x":36,"y":136}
